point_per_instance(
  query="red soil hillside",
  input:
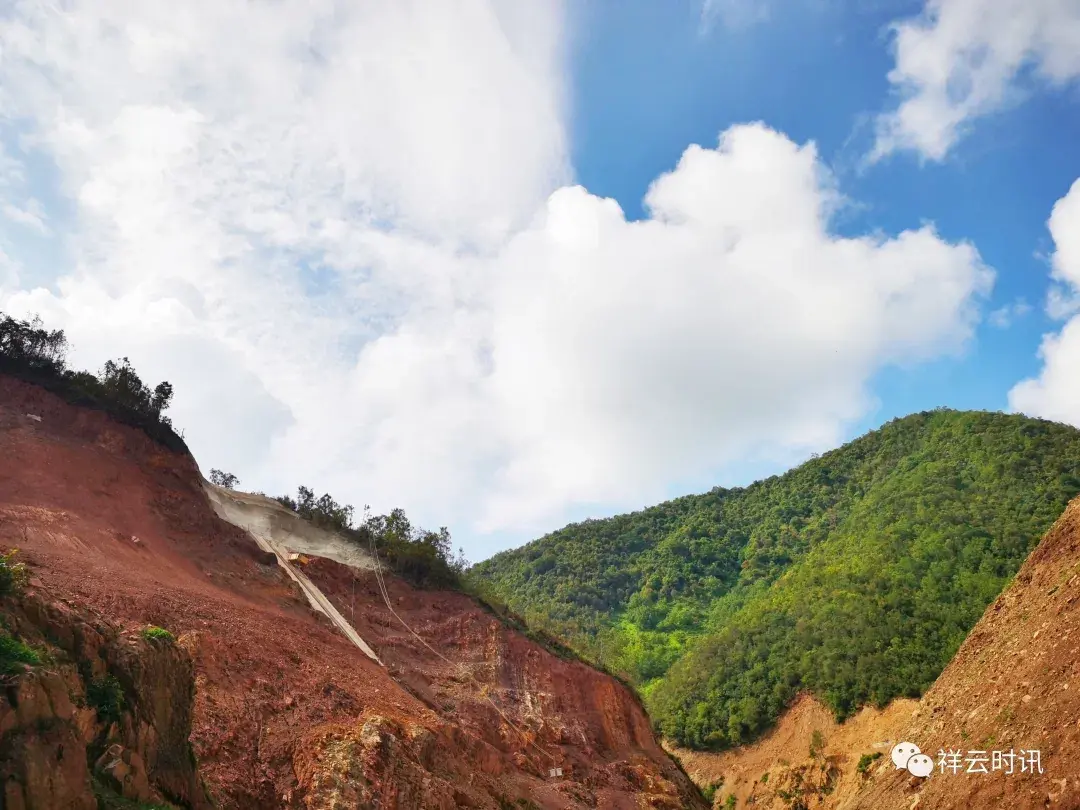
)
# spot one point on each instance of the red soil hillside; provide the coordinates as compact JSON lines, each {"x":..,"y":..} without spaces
{"x":1013,"y":685}
{"x":287,"y":711}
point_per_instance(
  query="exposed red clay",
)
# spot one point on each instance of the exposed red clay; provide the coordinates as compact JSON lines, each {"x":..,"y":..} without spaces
{"x":289,"y":713}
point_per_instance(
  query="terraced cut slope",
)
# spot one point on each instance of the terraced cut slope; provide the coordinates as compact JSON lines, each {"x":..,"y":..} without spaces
{"x":854,"y":577}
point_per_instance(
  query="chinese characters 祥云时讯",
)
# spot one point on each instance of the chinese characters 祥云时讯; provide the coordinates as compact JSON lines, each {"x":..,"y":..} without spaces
{"x":1007,"y":762}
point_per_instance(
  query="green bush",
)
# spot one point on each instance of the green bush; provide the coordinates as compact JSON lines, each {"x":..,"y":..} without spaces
{"x":13,"y":575}
{"x":153,"y":633}
{"x":710,"y":790}
{"x":423,"y":558}
{"x":866,"y":760}
{"x":106,"y":695}
{"x":14,"y":655}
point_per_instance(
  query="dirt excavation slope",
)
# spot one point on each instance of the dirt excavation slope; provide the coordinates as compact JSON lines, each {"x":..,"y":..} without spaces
{"x":274,"y":525}
{"x":288,"y":712}
{"x":778,"y":771}
{"x":1014,"y":685}
{"x":280,"y":531}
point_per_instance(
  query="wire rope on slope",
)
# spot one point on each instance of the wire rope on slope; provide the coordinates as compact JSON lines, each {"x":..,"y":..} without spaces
{"x":460,"y":667}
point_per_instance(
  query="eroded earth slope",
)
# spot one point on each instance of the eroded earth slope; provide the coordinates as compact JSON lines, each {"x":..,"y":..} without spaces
{"x":287,"y":711}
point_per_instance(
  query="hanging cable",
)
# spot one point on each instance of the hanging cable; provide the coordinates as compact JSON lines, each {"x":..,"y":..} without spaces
{"x":461,"y":668}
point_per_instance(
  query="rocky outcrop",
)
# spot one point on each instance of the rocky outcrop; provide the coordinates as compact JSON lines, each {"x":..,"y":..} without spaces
{"x":42,"y":751}
{"x":379,"y":764}
{"x":103,"y":713}
{"x":510,"y":709}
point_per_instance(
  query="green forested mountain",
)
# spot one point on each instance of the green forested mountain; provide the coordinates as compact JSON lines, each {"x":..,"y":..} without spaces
{"x":855,"y":575}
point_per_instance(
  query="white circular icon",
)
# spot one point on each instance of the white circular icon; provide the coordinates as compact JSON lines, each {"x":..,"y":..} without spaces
{"x":920,"y":765}
{"x":902,"y":752}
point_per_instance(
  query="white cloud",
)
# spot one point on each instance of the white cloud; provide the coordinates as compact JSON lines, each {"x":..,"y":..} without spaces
{"x":30,"y":215}
{"x":1006,"y":316}
{"x":1055,"y":393}
{"x":962,"y":59}
{"x":632,"y":353}
{"x":1064,"y":227}
{"x":342,"y":232}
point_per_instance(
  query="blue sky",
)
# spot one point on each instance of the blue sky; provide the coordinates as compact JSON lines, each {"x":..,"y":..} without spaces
{"x":647,"y":81}
{"x":373,"y":246}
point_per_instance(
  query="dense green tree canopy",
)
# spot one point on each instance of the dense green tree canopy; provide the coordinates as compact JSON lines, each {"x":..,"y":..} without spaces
{"x":855,"y":575}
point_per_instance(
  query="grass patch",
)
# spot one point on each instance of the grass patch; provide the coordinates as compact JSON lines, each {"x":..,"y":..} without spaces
{"x":709,"y":791}
{"x":866,"y":760}
{"x":15,"y":655}
{"x":153,"y":633}
{"x":13,"y":575}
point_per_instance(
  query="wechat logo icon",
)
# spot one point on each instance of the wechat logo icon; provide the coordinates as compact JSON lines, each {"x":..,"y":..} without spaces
{"x":907,"y":756}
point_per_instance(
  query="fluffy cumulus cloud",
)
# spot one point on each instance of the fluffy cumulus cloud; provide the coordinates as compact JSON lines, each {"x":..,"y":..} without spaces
{"x":1055,"y":393}
{"x":961,"y":59}
{"x":629,"y":353}
{"x":344,"y":232}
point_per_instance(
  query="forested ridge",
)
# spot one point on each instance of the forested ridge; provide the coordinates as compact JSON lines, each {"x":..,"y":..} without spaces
{"x":855,"y":575}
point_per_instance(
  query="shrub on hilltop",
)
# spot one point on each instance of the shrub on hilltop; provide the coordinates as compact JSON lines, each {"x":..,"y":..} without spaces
{"x":30,"y":352}
{"x":422,"y":557}
{"x":224,"y":479}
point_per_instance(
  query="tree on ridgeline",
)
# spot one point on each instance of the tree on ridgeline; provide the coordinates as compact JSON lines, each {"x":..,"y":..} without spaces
{"x":30,"y":352}
{"x":421,"y":556}
{"x":224,"y":479}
